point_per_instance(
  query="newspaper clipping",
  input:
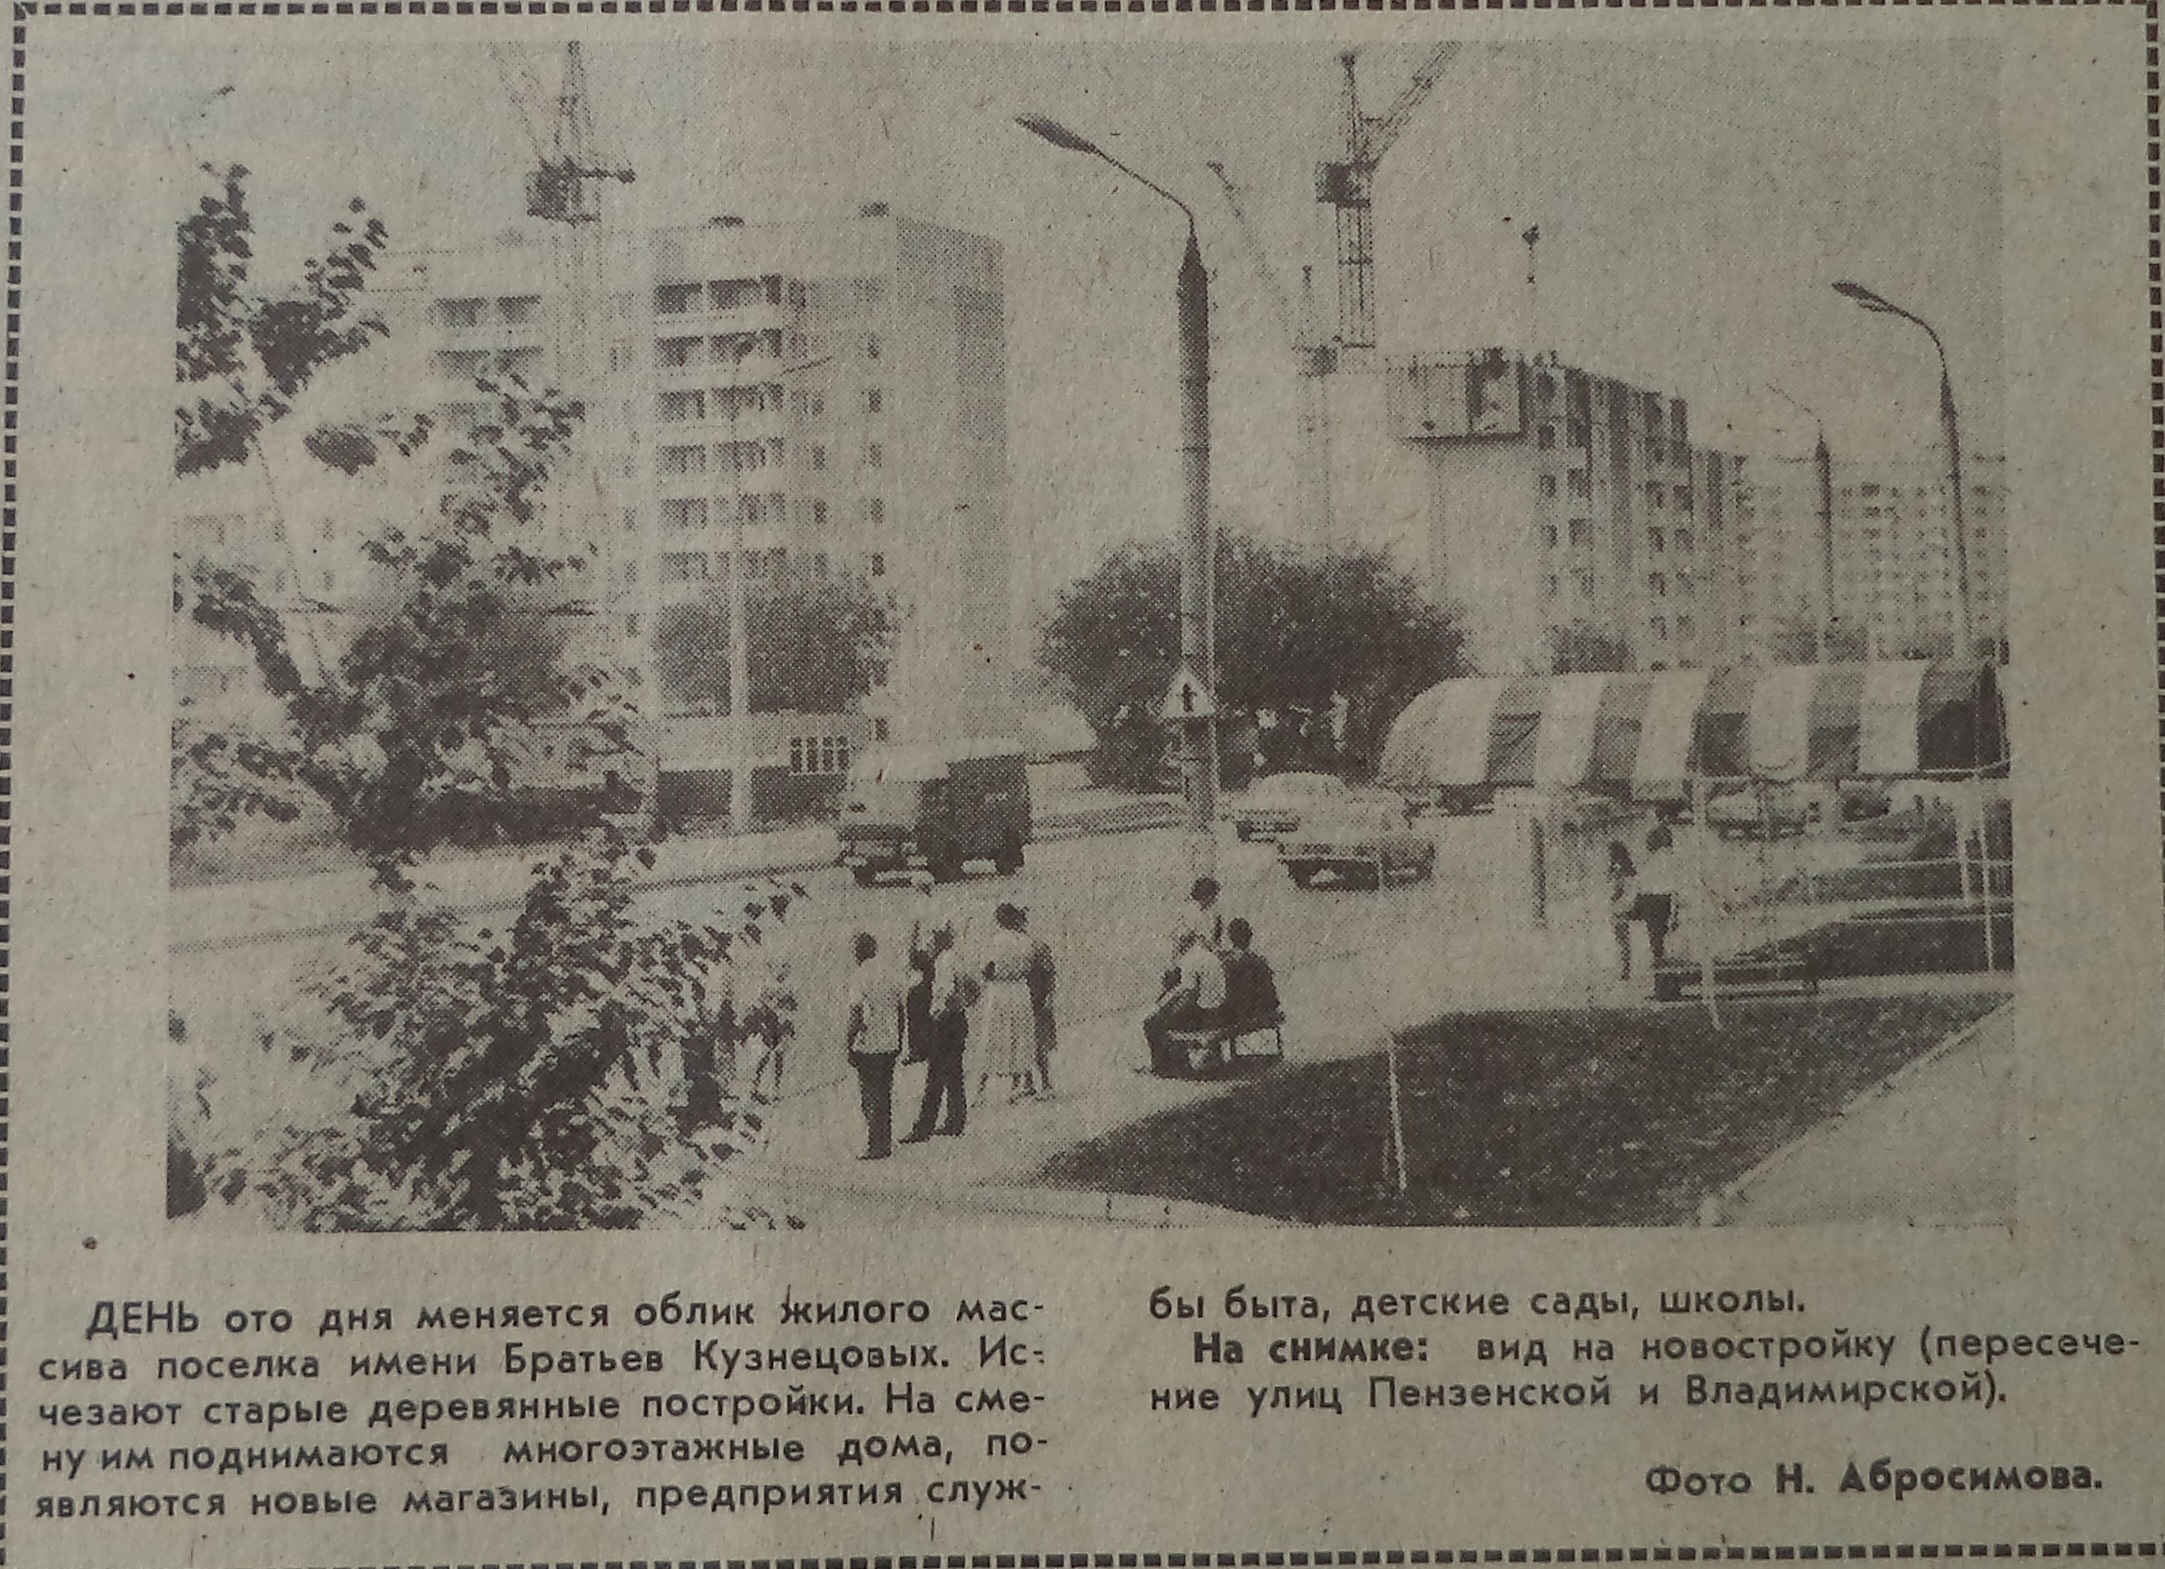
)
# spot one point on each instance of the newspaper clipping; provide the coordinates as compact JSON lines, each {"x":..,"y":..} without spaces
{"x":1082,"y":787}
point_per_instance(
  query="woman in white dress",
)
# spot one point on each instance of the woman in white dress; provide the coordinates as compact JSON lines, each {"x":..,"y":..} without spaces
{"x":1006,"y":1032}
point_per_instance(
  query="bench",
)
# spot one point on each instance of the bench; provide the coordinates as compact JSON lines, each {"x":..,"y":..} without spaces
{"x":1264,"y":1032}
{"x":1678,"y":979}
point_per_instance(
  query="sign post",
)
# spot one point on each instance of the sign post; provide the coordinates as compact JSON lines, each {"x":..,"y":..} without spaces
{"x":1190,"y":704}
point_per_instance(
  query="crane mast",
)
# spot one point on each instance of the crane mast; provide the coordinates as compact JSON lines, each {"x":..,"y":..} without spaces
{"x":1348,"y":187}
{"x":563,"y":189}
{"x":1313,"y":359}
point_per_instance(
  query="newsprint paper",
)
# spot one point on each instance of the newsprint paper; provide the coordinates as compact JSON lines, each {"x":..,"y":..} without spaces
{"x":1082,"y":786}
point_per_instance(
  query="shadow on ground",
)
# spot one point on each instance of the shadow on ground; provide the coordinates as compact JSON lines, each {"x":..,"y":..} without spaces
{"x":1584,"y":1118}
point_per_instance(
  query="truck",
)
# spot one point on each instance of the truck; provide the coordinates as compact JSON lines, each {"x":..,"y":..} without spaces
{"x":935,"y":806}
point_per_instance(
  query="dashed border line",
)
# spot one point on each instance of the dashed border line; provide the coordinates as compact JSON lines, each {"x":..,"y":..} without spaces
{"x":151,"y":8}
{"x":1800,"y":1552}
{"x":10,"y":395}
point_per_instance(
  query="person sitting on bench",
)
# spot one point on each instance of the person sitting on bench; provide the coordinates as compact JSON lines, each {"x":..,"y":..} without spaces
{"x":1193,"y":999}
{"x":1251,"y":990}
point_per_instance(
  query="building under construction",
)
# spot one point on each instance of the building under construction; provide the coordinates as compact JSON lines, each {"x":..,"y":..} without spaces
{"x":1567,"y":515}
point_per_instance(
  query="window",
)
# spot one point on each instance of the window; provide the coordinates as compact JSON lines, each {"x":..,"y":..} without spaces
{"x":689,"y":566}
{"x":1655,"y":495}
{"x":683,"y":513}
{"x":677,"y":351}
{"x":1659,"y":584}
{"x":1548,"y":484}
{"x":631,"y":626}
{"x":1546,"y":387}
{"x":1581,"y":433}
{"x":1584,"y":578}
{"x":873,"y":398}
{"x":875,"y":511}
{"x":1683,"y":539}
{"x":462,"y":364}
{"x":684,"y":460}
{"x":871,"y":345}
{"x":460,"y":313}
{"x":678,"y":406}
{"x":1655,"y":541}
{"x":519,"y":309}
{"x":1683,"y":498}
{"x":1548,"y":535}
{"x":1661,"y":630}
{"x":819,"y":457}
{"x":824,"y":755}
{"x":675,"y":299}
{"x":1548,"y":437}
{"x":879,"y":563}
{"x":1581,"y":530}
{"x":1548,"y":588}
{"x":1582,"y":484}
{"x":819,"y":514}
{"x":874,"y":455}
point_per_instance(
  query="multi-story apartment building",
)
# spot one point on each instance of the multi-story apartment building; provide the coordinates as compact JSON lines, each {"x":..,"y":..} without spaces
{"x":1896,"y":591}
{"x":1564,"y":513}
{"x":832,"y":392}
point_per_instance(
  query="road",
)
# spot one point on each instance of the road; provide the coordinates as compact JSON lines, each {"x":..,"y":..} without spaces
{"x":1107,"y":904}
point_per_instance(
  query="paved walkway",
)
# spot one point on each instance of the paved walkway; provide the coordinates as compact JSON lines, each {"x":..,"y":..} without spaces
{"x":1342,"y":1006}
{"x":1929,"y":1146}
{"x":1934,"y":1145}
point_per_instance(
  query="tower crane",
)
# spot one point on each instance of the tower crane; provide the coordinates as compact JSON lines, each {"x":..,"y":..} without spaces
{"x":563,"y":189}
{"x":1314,"y":357}
{"x":1348,"y":185}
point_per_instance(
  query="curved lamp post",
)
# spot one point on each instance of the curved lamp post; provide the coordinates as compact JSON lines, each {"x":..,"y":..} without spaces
{"x":1965,"y":631}
{"x":1191,"y":296}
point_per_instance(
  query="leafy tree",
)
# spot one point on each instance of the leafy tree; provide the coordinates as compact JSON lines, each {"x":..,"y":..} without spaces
{"x":814,"y":638}
{"x":1298,"y":637}
{"x":244,"y":353}
{"x":580,"y":1069}
{"x":505,"y":1083}
{"x":1583,"y":648}
{"x":419,"y":723}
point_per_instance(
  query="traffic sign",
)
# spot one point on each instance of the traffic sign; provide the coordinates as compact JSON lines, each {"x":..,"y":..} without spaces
{"x":1187,"y":699}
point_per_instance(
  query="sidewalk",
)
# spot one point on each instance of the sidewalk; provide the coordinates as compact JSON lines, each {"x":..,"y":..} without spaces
{"x":1928,"y":1146}
{"x":1336,"y":1007}
{"x":1935,"y":1145}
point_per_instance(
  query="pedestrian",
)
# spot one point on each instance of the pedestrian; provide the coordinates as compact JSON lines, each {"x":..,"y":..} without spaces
{"x":1045,"y":1029}
{"x":1251,"y":987}
{"x":1006,"y":1028}
{"x":873,"y":1040}
{"x":942,"y":1110}
{"x":1201,"y":916}
{"x":916,"y":939}
{"x":1623,"y":901}
{"x":1193,"y":999}
{"x":1655,"y":905}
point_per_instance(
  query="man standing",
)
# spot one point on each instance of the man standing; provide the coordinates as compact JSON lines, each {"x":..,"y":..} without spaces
{"x":874,"y":1042}
{"x":944,"y":1080}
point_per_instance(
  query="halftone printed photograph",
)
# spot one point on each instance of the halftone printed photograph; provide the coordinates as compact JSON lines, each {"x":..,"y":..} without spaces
{"x":774,"y":638}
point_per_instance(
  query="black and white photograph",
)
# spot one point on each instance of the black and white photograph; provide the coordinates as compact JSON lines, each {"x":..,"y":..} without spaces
{"x":779,"y":637}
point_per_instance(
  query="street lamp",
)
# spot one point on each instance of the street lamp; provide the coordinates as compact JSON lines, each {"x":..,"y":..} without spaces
{"x":739,"y":712}
{"x":1191,"y":298}
{"x":1965,"y":634}
{"x":1823,"y":469}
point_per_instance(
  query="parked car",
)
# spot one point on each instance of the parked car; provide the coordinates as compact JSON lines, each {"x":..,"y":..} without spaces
{"x":1786,"y":810}
{"x":935,"y":807}
{"x":1275,"y":806}
{"x":1360,"y":842}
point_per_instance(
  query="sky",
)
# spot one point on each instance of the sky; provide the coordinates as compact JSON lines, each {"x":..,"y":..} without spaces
{"x":1695,"y":200}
